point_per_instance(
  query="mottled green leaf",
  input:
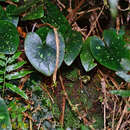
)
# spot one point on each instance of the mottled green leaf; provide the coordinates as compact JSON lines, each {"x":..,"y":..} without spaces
{"x":35,"y":13}
{"x":86,"y":57}
{"x":10,"y":18}
{"x":73,"y":46}
{"x":42,"y":32}
{"x":23,"y":8}
{"x":43,"y":57}
{"x":2,"y":13}
{"x":125,"y":63}
{"x":5,"y":123}
{"x":15,"y":66}
{"x":123,"y":93}
{"x":17,"y":75}
{"x":15,"y":89}
{"x":9,"y":37}
{"x":123,"y":75}
{"x":14,"y":57}
{"x":55,"y":17}
{"x":110,"y":51}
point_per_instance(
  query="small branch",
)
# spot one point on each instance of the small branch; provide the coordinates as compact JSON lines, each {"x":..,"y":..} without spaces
{"x":57,"y":54}
{"x":113,"y":115}
{"x":93,"y":26}
{"x":57,"y":48}
{"x":28,"y":116}
{"x":63,"y":111}
{"x":73,"y":107}
{"x":104,"y":91}
{"x":72,"y":13}
{"x":121,"y":118}
{"x":30,"y":124}
{"x":44,"y":89}
{"x":33,"y":28}
{"x":61,"y":4}
{"x":10,"y":2}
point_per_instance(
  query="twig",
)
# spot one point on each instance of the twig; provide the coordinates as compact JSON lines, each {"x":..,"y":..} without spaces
{"x":124,"y":124}
{"x":115,"y":83}
{"x":57,"y":48}
{"x":85,"y":12}
{"x":33,"y":28}
{"x":63,"y":6}
{"x":121,"y":118}
{"x":28,"y":116}
{"x":113,"y":115}
{"x":47,"y":93}
{"x":63,"y":111}
{"x":74,"y":107}
{"x":57,"y":54}
{"x":93,"y":26}
{"x":72,"y":13}
{"x":117,"y":24}
{"x":10,"y":2}
{"x":30,"y":123}
{"x":104,"y":91}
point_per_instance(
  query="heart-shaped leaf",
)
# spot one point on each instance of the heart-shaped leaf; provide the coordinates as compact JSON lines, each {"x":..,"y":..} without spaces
{"x":86,"y":57}
{"x":110,"y":51}
{"x":73,"y":46}
{"x":5,"y":123}
{"x":42,"y":32}
{"x":9,"y":38}
{"x":43,"y":57}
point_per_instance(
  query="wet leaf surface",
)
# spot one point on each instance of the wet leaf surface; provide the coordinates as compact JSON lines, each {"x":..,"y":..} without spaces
{"x":28,"y":4}
{"x":55,"y":17}
{"x":14,"y":57}
{"x":9,"y":38}
{"x":86,"y":57}
{"x":124,"y":76}
{"x":43,"y":57}
{"x":73,"y":46}
{"x":17,"y":75}
{"x":110,"y":51}
{"x":42,"y":32}
{"x":15,"y":89}
{"x":15,"y":66}
{"x":35,"y":13}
